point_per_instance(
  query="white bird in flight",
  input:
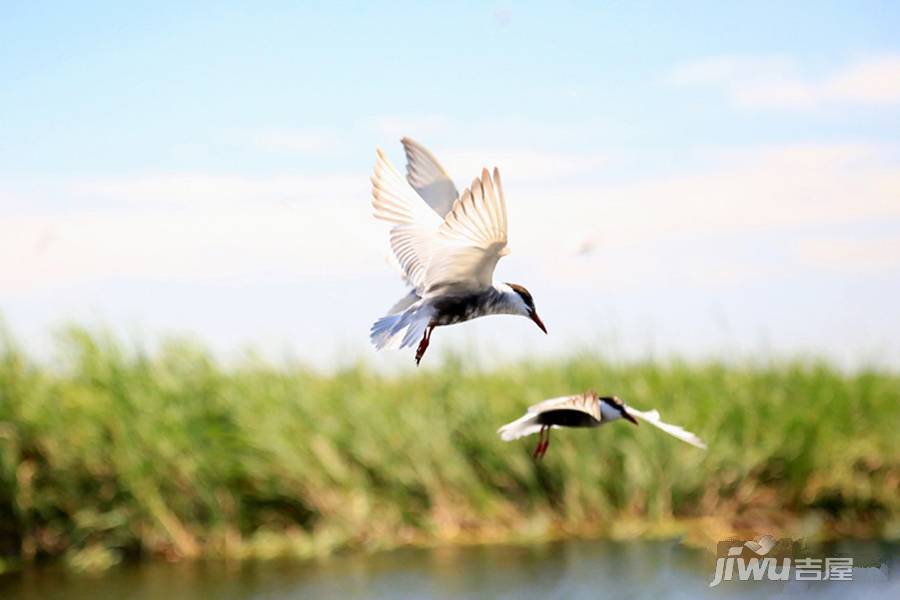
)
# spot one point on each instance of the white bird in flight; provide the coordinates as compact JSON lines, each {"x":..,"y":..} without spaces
{"x":583,"y":410}
{"x":447,"y":245}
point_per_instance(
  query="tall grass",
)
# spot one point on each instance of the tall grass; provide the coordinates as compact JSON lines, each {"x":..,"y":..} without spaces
{"x":114,"y":452}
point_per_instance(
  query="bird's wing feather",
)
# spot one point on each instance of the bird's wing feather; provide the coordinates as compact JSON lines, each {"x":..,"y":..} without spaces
{"x":426,"y":175}
{"x":586,"y":403}
{"x":527,"y":424}
{"x":412,"y":246}
{"x":395,"y":201}
{"x":415,"y":225}
{"x":652,"y":417}
{"x":471,"y":239}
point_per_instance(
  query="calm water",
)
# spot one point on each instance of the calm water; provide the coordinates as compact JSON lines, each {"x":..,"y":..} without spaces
{"x":576,"y":569}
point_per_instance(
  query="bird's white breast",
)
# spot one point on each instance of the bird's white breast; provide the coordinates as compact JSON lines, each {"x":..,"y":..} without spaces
{"x":609,"y":412}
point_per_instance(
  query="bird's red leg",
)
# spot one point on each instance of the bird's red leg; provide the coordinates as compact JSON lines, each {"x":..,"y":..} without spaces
{"x":546,"y":443}
{"x":536,"y":455}
{"x":423,"y":345}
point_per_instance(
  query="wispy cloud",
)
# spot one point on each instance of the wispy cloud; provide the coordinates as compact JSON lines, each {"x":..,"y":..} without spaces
{"x":211,"y":191}
{"x":520,"y":166}
{"x":211,"y":226}
{"x":850,"y":254}
{"x":397,"y":126}
{"x":780,"y":83}
{"x":746,"y":194}
{"x":195,"y":226}
{"x":196,"y":245}
{"x":294,"y":140}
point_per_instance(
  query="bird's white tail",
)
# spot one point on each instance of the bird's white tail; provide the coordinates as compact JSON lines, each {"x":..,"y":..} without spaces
{"x":405,"y":302}
{"x":652,"y":417}
{"x":403,"y":330}
{"x":524,"y":425}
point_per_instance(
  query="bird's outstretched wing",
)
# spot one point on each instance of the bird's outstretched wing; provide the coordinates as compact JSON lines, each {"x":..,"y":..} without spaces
{"x":426,"y":175}
{"x":529,"y":424}
{"x":652,"y":417}
{"x":415,"y":225}
{"x":394,"y":199}
{"x":586,"y":403}
{"x":457,"y":255}
{"x":470,"y":241}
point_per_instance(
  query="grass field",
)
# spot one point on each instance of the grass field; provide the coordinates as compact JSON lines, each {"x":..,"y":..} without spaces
{"x":112,"y":453}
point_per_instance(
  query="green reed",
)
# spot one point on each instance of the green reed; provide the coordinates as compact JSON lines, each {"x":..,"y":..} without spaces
{"x":111,"y":451}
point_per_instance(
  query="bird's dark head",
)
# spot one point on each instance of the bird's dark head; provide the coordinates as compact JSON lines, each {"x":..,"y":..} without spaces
{"x":617,"y":404}
{"x":528,"y":308}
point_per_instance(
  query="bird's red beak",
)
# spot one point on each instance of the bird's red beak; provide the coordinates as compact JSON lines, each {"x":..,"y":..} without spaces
{"x":537,"y":321}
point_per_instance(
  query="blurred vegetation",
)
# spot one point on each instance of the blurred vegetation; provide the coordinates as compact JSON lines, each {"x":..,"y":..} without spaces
{"x":112,"y":452}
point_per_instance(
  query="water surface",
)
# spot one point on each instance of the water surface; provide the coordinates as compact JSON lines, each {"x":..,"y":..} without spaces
{"x":572,"y":569}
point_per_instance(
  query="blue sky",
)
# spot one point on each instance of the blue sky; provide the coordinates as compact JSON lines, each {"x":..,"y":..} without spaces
{"x":700,"y":179}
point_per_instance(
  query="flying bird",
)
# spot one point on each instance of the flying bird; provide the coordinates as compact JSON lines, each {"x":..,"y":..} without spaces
{"x":447,"y":245}
{"x":583,"y":410}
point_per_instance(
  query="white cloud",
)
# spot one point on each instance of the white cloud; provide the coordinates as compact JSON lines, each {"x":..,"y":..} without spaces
{"x":519,"y":165}
{"x":215,"y":192}
{"x":780,"y":190}
{"x":191,"y":245}
{"x":515,"y":164}
{"x":210,"y":226}
{"x":777,"y":82}
{"x":397,"y":126}
{"x":525,"y":151}
{"x":295,"y":141}
{"x":876,"y":81}
{"x":726,"y":235}
{"x":850,"y":254}
{"x":720,"y":69}
{"x":192,"y":226}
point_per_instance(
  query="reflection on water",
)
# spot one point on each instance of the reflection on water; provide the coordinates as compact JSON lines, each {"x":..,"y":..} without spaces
{"x":574,"y":569}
